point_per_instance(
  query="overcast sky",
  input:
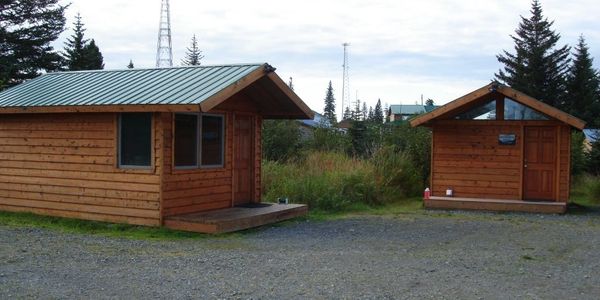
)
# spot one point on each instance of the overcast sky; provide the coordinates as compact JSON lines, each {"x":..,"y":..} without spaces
{"x":399,"y":49}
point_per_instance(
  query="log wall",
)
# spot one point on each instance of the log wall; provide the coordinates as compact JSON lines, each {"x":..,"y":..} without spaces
{"x":194,"y":190}
{"x":66,"y":165}
{"x":466,"y":157}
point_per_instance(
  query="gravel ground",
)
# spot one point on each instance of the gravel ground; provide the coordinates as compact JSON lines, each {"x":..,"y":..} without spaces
{"x":437,"y":255}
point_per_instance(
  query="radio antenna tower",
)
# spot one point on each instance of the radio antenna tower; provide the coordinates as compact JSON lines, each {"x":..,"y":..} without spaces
{"x":164,"y":50}
{"x":346,"y":81}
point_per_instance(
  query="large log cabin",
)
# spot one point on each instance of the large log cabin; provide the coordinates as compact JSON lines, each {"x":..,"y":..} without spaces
{"x":138,"y":146}
{"x":499,"y":149}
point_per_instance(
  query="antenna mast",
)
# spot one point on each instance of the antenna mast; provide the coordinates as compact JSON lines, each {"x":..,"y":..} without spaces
{"x":346,"y":81}
{"x":164,"y":50}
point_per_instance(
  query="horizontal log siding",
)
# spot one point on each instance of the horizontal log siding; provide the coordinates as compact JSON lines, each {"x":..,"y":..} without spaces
{"x":187,"y":191}
{"x":65,"y":165}
{"x":468,"y":159}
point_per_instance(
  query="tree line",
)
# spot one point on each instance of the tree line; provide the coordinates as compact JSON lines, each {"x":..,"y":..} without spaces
{"x":27,"y":29}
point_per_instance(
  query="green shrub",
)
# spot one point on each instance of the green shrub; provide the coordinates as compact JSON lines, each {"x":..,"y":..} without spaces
{"x":396,"y":173}
{"x":415,"y":143}
{"x":578,"y":158}
{"x":280,"y":139}
{"x":586,"y":189}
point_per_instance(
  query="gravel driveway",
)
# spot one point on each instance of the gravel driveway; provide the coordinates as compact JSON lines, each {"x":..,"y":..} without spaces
{"x":429,"y":255}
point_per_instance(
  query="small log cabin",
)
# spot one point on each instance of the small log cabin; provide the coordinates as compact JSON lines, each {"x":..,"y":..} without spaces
{"x":137,"y":146}
{"x":499,"y":149}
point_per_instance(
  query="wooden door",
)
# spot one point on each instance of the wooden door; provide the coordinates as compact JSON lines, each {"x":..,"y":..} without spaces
{"x":539,"y":163}
{"x":243,"y":171}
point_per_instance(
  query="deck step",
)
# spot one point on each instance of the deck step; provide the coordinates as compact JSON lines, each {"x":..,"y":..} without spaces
{"x":495,"y":205}
{"x":235,"y":218}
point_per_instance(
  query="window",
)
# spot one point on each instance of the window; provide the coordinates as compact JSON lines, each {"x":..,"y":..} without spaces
{"x":487,"y":111}
{"x":212,"y":140}
{"x":199,"y":140}
{"x":135,"y":140}
{"x":186,"y":140}
{"x":516,"y":111}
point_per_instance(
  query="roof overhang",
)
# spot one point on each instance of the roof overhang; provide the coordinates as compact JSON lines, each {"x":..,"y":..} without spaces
{"x":487,"y":92}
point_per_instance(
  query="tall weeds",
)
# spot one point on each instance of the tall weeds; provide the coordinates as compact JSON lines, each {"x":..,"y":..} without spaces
{"x":334,"y":181}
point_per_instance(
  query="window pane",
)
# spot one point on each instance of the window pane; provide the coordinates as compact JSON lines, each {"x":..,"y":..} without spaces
{"x":186,"y":140}
{"x":135,"y":138}
{"x":486,"y":111}
{"x":212,"y":140}
{"x":516,"y":111}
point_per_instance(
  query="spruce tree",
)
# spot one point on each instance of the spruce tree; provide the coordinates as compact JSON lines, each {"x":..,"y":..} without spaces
{"x":356,"y":113}
{"x":583,"y":86}
{"x":537,"y":67}
{"x":364,"y":111}
{"x":378,"y":113}
{"x":193,"y":55}
{"x":92,"y":57}
{"x":130,"y":65}
{"x":329,"y":110}
{"x":347,"y":114}
{"x":81,"y":53}
{"x":27,"y":28}
{"x":370,"y":115}
{"x":429,"y":102}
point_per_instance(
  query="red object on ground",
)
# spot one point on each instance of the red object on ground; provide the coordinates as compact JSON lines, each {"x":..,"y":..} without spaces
{"x":426,"y":194}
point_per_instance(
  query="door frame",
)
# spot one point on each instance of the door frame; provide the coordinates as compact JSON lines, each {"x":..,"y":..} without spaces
{"x":234,"y":148}
{"x":556,"y":164}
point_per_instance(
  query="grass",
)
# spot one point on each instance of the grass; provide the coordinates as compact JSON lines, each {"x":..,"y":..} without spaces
{"x":66,"y":225}
{"x":29,"y":220}
{"x":335,"y":182}
{"x":586,"y":191}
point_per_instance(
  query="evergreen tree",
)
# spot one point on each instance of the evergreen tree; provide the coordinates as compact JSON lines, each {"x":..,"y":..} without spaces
{"x":347,"y":114}
{"x":92,"y":57}
{"x":364,"y":111}
{"x":429,"y":102}
{"x":329,"y":110}
{"x":130,"y":65}
{"x":370,"y":116}
{"x":27,"y":27}
{"x":193,"y":55}
{"x":80,"y":53}
{"x":378,"y":113}
{"x":536,"y":68}
{"x":583,"y":86}
{"x":356,"y":113}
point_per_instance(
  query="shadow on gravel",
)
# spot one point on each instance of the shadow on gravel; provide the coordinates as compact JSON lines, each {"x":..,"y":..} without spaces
{"x":578,"y":209}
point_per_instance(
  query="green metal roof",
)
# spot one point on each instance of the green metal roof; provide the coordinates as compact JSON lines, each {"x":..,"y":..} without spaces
{"x":407,"y":109}
{"x":180,"y":85}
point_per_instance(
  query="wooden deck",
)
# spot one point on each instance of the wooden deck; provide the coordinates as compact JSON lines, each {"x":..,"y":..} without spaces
{"x":235,"y":218}
{"x":495,"y":205}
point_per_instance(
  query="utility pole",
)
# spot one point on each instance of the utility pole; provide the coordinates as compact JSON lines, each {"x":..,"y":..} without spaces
{"x":164,"y":49}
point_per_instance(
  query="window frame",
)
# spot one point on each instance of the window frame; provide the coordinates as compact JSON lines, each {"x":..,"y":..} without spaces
{"x":119,"y":145}
{"x":199,"y":132}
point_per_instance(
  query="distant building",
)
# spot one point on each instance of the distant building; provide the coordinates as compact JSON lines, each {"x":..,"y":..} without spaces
{"x":307,"y":126}
{"x":591,"y":136}
{"x":403,"y":112}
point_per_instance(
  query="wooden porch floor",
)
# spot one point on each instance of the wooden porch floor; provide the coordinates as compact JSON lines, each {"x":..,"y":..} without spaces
{"x":495,"y":205}
{"x":235,"y":218}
